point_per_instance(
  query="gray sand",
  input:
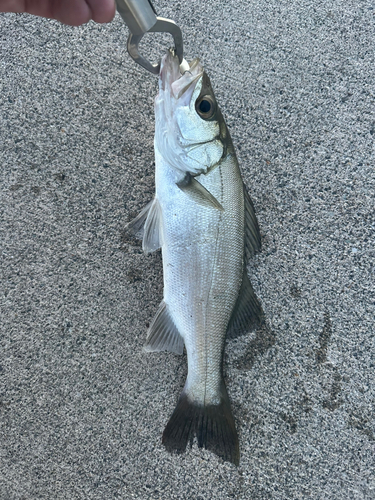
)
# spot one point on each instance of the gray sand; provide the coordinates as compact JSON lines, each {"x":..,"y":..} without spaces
{"x":82,"y":409}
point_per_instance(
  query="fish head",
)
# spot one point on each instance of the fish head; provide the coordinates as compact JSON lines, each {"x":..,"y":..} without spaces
{"x":190,"y":131}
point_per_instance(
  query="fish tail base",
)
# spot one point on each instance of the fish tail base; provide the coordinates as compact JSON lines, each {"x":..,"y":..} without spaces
{"x":213,"y":425}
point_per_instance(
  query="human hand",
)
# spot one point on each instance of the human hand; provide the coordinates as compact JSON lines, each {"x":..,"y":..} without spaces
{"x":72,"y":12}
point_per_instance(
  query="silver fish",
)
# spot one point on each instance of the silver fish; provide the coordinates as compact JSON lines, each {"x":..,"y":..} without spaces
{"x":203,"y":220}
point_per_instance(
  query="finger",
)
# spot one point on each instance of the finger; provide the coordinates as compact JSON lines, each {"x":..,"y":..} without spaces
{"x":72,"y":12}
{"x":12,"y":6}
{"x":102,"y":11}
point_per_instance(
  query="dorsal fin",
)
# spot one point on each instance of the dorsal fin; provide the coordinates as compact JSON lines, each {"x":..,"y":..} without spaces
{"x":247,"y":313}
{"x":163,"y":334}
{"x":252,"y":233}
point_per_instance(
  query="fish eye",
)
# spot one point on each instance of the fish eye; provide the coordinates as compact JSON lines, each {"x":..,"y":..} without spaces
{"x":205,"y":107}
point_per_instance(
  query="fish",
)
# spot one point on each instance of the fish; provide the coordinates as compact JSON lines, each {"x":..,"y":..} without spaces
{"x":203,"y":220}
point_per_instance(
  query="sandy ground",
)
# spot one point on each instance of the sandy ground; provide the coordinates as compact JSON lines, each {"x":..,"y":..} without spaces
{"x":82,"y":409}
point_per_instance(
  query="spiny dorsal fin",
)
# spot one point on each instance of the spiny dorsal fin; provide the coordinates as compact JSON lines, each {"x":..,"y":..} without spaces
{"x":247,"y":313}
{"x":163,"y":334}
{"x":198,"y":193}
{"x":252,"y":233}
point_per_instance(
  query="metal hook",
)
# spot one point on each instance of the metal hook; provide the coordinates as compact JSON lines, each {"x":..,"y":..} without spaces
{"x":161,"y":26}
{"x":140,"y":17}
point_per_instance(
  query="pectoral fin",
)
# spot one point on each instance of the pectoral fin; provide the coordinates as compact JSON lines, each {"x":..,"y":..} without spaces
{"x":148,"y":226}
{"x":247,"y":313}
{"x":198,"y":193}
{"x":163,"y":334}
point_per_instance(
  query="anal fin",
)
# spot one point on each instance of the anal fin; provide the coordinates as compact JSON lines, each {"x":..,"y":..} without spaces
{"x":247,"y":313}
{"x":198,"y":193}
{"x":163,"y":334}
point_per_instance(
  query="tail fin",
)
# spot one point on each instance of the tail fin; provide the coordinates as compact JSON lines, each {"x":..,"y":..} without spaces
{"x":212,"y":424}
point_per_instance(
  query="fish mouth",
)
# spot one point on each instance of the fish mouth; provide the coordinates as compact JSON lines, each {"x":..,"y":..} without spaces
{"x":179,"y":80}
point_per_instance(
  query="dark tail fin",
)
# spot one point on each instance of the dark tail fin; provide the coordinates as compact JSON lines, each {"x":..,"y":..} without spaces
{"x":212,"y":424}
